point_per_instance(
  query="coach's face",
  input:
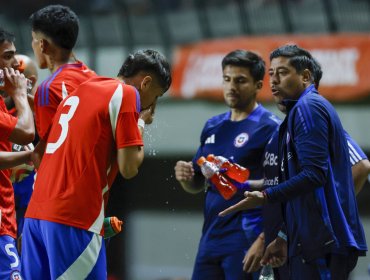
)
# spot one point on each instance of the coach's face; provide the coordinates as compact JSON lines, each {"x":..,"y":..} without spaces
{"x":285,"y":81}
{"x":239,"y":87}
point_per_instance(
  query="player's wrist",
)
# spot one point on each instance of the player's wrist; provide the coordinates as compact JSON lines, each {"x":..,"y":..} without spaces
{"x":141,"y":123}
{"x":282,"y":236}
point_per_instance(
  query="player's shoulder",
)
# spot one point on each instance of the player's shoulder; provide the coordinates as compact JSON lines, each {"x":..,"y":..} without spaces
{"x":269,"y":118}
{"x":217,"y":120}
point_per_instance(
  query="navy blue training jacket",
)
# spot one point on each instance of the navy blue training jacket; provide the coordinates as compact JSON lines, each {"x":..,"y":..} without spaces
{"x":321,"y":213}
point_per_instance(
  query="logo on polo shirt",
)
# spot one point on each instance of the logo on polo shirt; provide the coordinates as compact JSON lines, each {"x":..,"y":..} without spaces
{"x":16,"y":275}
{"x":241,"y":140}
{"x":210,"y":139}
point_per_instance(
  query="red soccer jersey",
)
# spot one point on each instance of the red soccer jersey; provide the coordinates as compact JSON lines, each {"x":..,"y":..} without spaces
{"x":90,"y":125}
{"x":7,"y":212}
{"x":54,"y":89}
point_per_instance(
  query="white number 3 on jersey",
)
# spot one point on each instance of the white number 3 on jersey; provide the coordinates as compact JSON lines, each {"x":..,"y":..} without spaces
{"x":64,"y":119}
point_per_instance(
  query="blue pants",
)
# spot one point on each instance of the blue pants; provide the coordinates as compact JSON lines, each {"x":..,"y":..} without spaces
{"x":10,"y":265}
{"x":330,"y":267}
{"x":56,"y":251}
{"x":221,"y":267}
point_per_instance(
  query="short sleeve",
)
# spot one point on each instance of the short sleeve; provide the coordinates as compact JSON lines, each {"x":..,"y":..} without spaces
{"x":44,"y":114}
{"x":7,"y":125}
{"x":127,"y":132}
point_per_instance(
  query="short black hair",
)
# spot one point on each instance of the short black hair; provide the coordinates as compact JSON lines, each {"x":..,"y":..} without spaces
{"x":59,"y":23}
{"x":246,"y":59}
{"x":149,"y":61}
{"x":316,"y":72}
{"x":6,"y":36}
{"x":299,"y":58}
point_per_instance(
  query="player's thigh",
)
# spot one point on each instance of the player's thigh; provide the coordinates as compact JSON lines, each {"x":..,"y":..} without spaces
{"x":10,"y":265}
{"x":282,"y":272}
{"x":316,"y":269}
{"x":35,"y":263}
{"x":233,"y":267}
{"x":207,"y":266}
{"x":74,"y":253}
{"x":342,"y":265}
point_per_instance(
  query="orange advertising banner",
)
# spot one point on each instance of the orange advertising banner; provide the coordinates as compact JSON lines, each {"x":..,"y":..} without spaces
{"x":345,"y":61}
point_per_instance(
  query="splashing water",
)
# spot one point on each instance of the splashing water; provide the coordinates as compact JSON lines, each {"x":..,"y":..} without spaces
{"x":150,"y":140}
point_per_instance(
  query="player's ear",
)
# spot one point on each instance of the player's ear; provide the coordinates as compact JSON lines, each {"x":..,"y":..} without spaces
{"x":306,"y":76}
{"x":44,"y":45}
{"x":259,"y":85}
{"x":145,"y":83}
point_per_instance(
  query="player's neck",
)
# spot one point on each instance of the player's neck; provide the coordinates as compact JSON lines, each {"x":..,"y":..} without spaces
{"x":55,"y":62}
{"x":241,"y":114}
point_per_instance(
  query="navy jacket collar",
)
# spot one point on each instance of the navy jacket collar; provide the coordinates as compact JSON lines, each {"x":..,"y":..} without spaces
{"x":289,"y":103}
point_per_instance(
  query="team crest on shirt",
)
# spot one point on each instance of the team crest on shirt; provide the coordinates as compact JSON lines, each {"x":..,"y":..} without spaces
{"x":241,"y":139}
{"x":16,"y":275}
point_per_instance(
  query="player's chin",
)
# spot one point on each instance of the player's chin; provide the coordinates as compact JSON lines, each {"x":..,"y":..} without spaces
{"x":231,"y":102}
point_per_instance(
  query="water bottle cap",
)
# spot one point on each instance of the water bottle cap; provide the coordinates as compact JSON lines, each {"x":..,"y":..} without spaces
{"x":116,"y":224}
{"x":211,"y":157}
{"x":22,"y":65}
{"x":201,"y":160}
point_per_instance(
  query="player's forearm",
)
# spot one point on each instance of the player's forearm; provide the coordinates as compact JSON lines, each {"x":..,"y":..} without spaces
{"x":360,"y":172}
{"x":256,"y":184}
{"x":129,"y":160}
{"x":194,"y":186}
{"x":24,"y":131}
{"x":12,"y":159}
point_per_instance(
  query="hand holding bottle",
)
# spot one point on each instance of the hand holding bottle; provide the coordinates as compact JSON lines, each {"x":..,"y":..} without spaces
{"x":211,"y":172}
{"x":232,"y":170}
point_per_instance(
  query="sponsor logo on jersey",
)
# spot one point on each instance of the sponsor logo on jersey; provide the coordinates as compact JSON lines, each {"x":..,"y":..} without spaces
{"x":210,"y":139}
{"x":16,"y":275}
{"x":241,"y":140}
{"x":270,"y":159}
{"x":271,"y":182}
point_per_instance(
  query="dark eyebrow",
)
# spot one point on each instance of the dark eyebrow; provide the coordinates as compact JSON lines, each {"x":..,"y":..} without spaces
{"x":9,"y":52}
{"x":278,"y":68}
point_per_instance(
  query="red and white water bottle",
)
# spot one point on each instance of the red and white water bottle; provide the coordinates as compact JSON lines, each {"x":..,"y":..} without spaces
{"x":233,"y":170}
{"x":211,"y":172}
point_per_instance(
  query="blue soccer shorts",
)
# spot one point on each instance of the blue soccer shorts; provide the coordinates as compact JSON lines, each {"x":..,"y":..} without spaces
{"x":56,"y":251}
{"x":10,"y":264}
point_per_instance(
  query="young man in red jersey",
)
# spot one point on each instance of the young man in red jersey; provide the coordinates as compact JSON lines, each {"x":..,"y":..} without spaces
{"x":18,"y":130}
{"x":54,"y":35}
{"x":96,"y":130}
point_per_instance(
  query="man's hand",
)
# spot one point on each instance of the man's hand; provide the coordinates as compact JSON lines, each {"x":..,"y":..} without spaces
{"x":252,"y":200}
{"x":148,"y":114}
{"x":184,"y":171}
{"x":276,"y":253}
{"x":252,"y":259}
{"x":38,"y":153}
{"x":15,"y":83}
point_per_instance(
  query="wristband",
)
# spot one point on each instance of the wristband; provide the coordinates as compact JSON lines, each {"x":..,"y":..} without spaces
{"x":282,"y":235}
{"x":141,"y":123}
